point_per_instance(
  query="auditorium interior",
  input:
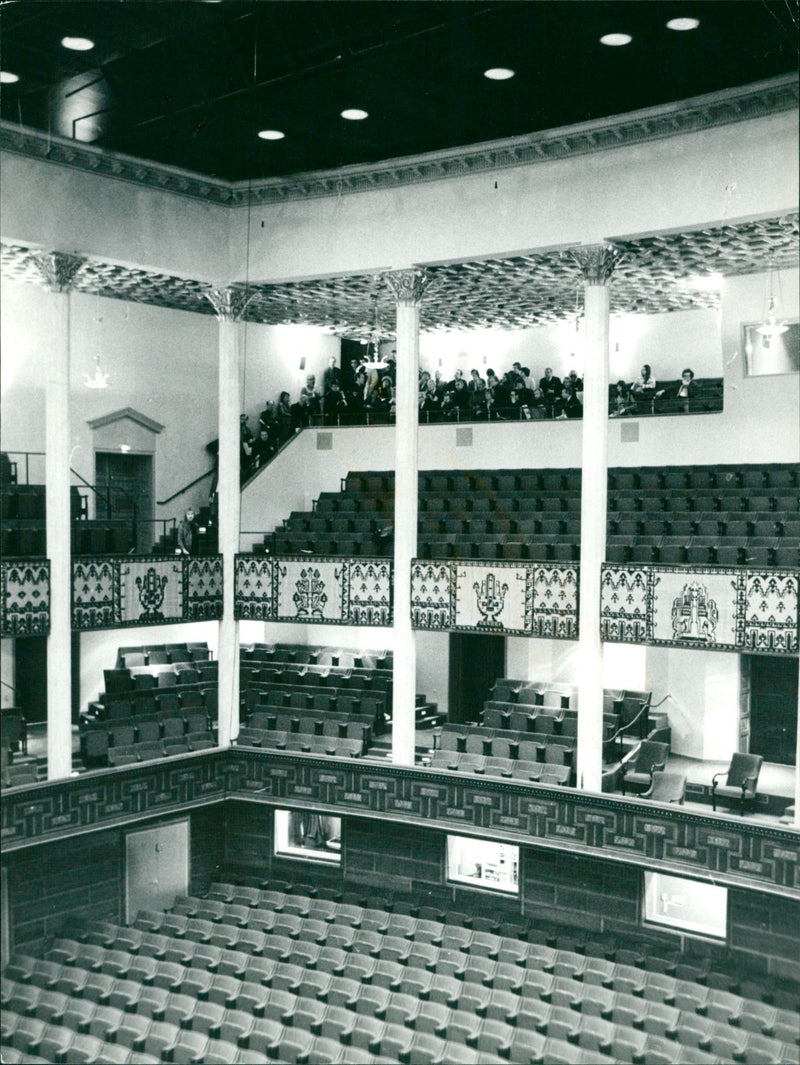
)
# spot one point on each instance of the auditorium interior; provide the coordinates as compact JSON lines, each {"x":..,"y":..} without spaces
{"x":386,"y":717}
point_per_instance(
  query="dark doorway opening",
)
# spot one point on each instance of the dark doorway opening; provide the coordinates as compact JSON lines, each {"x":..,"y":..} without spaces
{"x":773,"y":708}
{"x":125,"y":492}
{"x":476,"y":661}
{"x":30,"y":666}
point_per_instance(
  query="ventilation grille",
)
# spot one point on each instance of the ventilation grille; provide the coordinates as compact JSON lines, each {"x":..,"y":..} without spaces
{"x":324,"y":441}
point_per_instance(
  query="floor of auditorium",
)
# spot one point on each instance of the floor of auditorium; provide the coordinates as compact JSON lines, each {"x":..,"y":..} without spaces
{"x":775,"y":780}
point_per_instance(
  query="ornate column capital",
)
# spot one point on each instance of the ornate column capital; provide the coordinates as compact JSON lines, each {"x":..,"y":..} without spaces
{"x":58,"y":269}
{"x":229,"y":303}
{"x":596,"y":262}
{"x":409,"y":286}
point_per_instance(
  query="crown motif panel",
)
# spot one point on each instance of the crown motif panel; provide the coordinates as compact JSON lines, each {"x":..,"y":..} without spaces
{"x":713,"y":608}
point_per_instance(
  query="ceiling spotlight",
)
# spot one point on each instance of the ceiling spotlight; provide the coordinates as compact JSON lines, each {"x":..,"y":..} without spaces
{"x":705,"y":282}
{"x":683,"y":24}
{"x":616,"y":40}
{"x":271,"y":134}
{"x":77,"y":44}
{"x":7,"y":78}
{"x":354,"y":114}
{"x":498,"y":73}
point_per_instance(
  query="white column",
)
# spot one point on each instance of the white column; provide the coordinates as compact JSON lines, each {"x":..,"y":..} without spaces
{"x":58,"y":270}
{"x":597,"y":264}
{"x":797,"y":764}
{"x":229,"y":304}
{"x":408,"y":287}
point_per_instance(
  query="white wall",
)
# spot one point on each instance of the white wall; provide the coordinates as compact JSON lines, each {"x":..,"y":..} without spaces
{"x":99,"y":649}
{"x":8,"y":673}
{"x":271,"y":362}
{"x":163,"y":363}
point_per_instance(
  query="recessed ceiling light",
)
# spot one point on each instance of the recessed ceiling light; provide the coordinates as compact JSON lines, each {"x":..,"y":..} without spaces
{"x":7,"y":78}
{"x":683,"y":23}
{"x":705,"y":282}
{"x":616,"y":40}
{"x":77,"y":44}
{"x":498,"y":73}
{"x":271,"y":134}
{"x":354,"y":114}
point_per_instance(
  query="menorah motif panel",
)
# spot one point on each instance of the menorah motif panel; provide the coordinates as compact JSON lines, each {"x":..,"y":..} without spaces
{"x":713,"y":608}
{"x":119,"y":591}
{"x":25,"y":597}
{"x":511,"y":598}
{"x":314,"y":589}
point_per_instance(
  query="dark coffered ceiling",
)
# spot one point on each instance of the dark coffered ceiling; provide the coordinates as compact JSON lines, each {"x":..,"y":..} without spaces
{"x":190,"y":84}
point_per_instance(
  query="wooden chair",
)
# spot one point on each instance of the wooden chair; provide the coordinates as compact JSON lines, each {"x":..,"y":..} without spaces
{"x":741,"y":781}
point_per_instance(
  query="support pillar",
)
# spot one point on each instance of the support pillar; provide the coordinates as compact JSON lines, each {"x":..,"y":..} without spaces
{"x":229,"y":304}
{"x":797,"y":764}
{"x":596,"y":264}
{"x":58,"y":270}
{"x":408,"y":287}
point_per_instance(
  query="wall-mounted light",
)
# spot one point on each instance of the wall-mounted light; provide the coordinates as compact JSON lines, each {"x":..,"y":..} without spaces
{"x":99,"y":380}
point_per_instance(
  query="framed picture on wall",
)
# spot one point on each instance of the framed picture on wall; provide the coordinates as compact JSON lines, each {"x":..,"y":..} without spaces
{"x":771,"y":353}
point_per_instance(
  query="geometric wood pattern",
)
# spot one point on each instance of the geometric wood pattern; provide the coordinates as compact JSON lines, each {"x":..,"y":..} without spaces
{"x":727,"y":848}
{"x":25,"y":597}
{"x":114,"y":592}
{"x":516,"y":598}
{"x":509,"y":292}
{"x":708,"y":607}
{"x":314,"y":589}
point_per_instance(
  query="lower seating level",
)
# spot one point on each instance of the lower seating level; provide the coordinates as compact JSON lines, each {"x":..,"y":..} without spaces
{"x":300,"y":974}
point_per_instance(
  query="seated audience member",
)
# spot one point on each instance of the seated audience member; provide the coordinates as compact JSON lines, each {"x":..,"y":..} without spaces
{"x":646,"y":382}
{"x":527,"y":380}
{"x":501,"y":398}
{"x":187,"y":534}
{"x":689,"y":388}
{"x":457,"y":376}
{"x":476,"y":382}
{"x":334,"y":403}
{"x":266,"y":419}
{"x":571,"y":403}
{"x":575,"y":381}
{"x":550,"y":388}
{"x":303,"y":412}
{"x":622,"y":402}
{"x":262,"y":451}
{"x":355,"y":397}
{"x":430,"y":400}
{"x":381,"y":398}
{"x":332,"y":373}
{"x":283,"y":418}
{"x":457,"y":402}
{"x":245,"y":443}
{"x":439,"y":385}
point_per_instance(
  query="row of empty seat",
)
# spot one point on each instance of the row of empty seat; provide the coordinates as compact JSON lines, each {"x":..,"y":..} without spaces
{"x":302,"y":979}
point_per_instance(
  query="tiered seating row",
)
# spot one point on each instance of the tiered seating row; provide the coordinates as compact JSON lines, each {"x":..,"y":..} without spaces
{"x":319,"y":655}
{"x":162,"y":654}
{"x":495,"y":751}
{"x":303,"y":988}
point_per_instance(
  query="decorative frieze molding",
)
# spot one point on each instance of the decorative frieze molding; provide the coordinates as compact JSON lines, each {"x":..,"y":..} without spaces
{"x":25,"y":597}
{"x":106,"y":798}
{"x":731,"y":850}
{"x":314,"y":590}
{"x":711,"y":607}
{"x":120,"y":591}
{"x":767,"y":97}
{"x":512,"y":598}
{"x":409,"y":286}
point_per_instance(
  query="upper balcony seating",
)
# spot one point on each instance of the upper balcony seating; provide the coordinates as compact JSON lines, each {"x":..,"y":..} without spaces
{"x":723,"y":515}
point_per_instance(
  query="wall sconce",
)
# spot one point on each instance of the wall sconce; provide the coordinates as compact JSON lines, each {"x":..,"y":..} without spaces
{"x":99,"y":380}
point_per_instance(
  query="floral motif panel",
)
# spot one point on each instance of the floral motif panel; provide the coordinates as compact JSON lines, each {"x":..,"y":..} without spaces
{"x":710,"y":607}
{"x":25,"y":597}
{"x":145,"y":590}
{"x":314,"y":590}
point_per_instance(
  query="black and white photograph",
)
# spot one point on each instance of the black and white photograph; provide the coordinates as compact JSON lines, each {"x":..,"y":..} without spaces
{"x":399,"y":532}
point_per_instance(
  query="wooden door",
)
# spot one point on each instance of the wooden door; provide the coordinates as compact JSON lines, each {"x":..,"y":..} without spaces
{"x":156,"y":867}
{"x":125,"y":491}
{"x":476,"y":661}
{"x":773,"y":708}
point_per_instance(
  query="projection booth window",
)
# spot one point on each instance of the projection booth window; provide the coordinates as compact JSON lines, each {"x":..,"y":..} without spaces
{"x":483,"y":863}
{"x":315,"y":837}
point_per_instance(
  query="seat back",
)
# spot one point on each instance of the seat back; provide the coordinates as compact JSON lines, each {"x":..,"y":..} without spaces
{"x":651,"y":753}
{"x":744,"y":767}
{"x":668,"y":787}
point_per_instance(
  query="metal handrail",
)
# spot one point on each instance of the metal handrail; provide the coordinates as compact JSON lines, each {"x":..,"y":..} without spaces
{"x":186,"y":487}
{"x":27,"y":454}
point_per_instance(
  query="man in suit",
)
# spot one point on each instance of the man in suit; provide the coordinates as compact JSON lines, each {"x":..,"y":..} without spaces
{"x":550,"y":387}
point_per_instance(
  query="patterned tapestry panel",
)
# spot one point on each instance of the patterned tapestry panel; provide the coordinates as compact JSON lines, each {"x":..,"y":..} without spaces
{"x":253,"y":595}
{"x":697,"y":608}
{"x":95,"y":593}
{"x":314,"y":589}
{"x":432,"y":595}
{"x":25,"y":597}
{"x":519,"y":598}
{"x":145,"y":590}
{"x":623,"y":605}
{"x":310,"y":589}
{"x":491,"y":598}
{"x":151,"y":591}
{"x":711,"y":607}
{"x":369,"y":585}
{"x":770,"y":612}
{"x":203,"y":588}
{"x":555,"y":602}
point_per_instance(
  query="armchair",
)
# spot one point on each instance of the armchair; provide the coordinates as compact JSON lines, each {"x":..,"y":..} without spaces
{"x":667,"y":787}
{"x":651,"y":756}
{"x":741,"y":780}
